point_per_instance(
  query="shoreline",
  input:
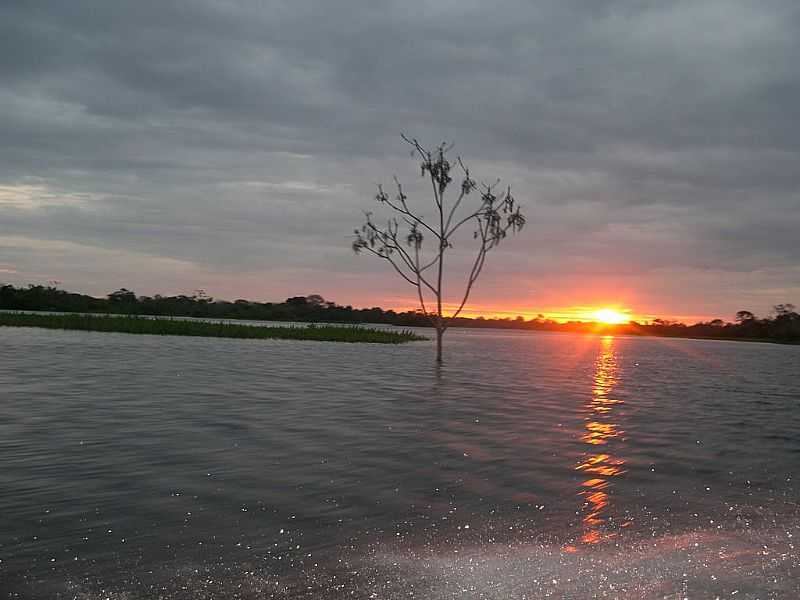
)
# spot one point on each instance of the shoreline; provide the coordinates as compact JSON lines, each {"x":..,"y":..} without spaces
{"x":361,"y":327}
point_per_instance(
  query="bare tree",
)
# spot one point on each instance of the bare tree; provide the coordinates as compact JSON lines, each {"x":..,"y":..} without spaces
{"x":401,"y":241}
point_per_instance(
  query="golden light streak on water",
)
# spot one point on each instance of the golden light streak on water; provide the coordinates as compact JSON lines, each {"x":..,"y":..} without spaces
{"x":600,"y":429}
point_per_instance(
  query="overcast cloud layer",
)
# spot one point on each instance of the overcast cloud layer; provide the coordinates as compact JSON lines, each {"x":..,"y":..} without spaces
{"x":232,"y":145}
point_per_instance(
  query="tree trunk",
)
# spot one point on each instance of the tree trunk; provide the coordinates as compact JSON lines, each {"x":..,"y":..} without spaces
{"x":439,"y":334}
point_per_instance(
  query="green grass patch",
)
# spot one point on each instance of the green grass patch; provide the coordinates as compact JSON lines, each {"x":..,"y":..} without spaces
{"x":167,"y":326}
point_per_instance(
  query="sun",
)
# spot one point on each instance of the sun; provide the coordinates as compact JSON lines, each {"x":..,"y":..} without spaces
{"x":609,"y":316}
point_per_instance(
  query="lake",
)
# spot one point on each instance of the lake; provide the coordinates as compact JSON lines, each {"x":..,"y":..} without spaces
{"x":530,"y":465}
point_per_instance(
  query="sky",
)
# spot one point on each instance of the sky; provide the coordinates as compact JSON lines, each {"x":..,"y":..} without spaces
{"x":233,"y":146}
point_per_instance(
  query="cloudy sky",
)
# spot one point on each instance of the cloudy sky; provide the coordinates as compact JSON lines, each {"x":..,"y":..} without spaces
{"x":232,"y":145}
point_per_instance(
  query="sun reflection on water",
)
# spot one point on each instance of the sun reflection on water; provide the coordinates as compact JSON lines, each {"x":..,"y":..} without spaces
{"x":599,"y":462}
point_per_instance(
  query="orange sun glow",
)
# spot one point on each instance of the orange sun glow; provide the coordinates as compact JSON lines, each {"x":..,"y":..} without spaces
{"x":609,"y":316}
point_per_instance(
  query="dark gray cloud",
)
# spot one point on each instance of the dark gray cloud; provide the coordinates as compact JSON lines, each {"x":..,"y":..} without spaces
{"x":232,"y":145}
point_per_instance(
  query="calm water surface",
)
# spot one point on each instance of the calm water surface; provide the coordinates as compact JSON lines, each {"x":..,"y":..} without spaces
{"x":529,"y":466}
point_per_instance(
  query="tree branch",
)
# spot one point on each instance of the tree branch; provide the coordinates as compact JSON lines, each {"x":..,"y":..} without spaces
{"x":466,"y":187}
{"x":388,"y":239}
{"x":383,"y":197}
{"x":419,"y":287}
{"x":477,"y":266}
{"x":391,"y":262}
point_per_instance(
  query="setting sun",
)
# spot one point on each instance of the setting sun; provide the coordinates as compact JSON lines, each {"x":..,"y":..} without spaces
{"x":610,"y":316}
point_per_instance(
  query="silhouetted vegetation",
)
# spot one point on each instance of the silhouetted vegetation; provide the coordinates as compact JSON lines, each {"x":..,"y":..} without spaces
{"x":162,"y":326}
{"x":402,"y":241}
{"x":782,"y":326}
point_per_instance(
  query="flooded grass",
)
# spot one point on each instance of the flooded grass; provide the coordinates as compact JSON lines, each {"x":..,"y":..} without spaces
{"x":167,"y":326}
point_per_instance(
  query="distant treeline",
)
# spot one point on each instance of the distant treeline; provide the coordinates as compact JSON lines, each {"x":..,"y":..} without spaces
{"x":782,"y":326}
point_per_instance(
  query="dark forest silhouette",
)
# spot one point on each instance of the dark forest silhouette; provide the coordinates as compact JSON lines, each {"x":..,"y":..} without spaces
{"x":782,"y":326}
